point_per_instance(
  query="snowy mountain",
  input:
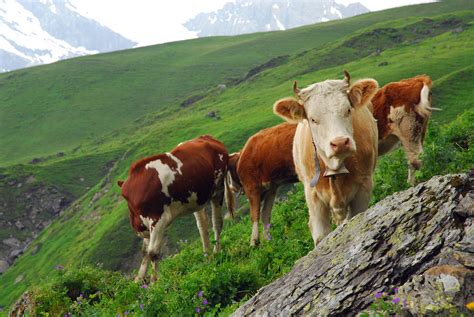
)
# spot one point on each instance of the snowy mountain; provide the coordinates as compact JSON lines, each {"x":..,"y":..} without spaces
{"x":244,"y":16}
{"x":35,"y":32}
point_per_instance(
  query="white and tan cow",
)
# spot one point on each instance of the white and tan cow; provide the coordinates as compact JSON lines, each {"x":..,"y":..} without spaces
{"x":334,"y":121}
{"x":402,"y":110}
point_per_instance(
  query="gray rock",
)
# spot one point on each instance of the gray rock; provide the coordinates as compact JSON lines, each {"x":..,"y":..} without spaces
{"x":3,"y":266}
{"x":19,"y":225}
{"x":12,"y":242}
{"x":400,"y":242}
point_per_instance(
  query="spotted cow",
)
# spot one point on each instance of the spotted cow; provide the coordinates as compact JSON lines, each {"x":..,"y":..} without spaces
{"x":163,"y":187}
{"x":402,"y":110}
{"x":337,"y":134}
{"x":265,"y":163}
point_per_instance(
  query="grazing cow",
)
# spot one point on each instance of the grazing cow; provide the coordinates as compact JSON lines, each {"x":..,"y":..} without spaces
{"x":402,"y":110}
{"x":163,"y":187}
{"x":265,"y":163}
{"x":336,"y":134}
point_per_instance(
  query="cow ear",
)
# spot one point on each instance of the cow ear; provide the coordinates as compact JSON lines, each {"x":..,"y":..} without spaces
{"x":362,"y":91}
{"x":290,"y":110}
{"x":120,"y":183}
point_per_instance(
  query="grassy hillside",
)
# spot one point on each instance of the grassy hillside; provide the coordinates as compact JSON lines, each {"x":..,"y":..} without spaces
{"x":93,"y":231}
{"x":53,"y":108}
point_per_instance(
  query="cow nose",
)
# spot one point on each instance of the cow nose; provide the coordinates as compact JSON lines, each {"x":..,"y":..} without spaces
{"x":340,"y":145}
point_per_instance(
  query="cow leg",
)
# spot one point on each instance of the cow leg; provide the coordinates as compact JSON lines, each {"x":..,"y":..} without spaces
{"x":361,"y":200}
{"x":203,"y":226}
{"x":254,"y":200}
{"x":145,"y":261}
{"x":217,"y":222}
{"x":412,"y":150}
{"x":319,"y":224}
{"x":156,"y":240}
{"x":268,"y":201}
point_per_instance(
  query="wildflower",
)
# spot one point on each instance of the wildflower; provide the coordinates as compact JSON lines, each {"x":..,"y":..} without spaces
{"x":200,"y":293}
{"x":395,"y":290}
{"x":144,"y":286}
{"x":378,"y":295}
{"x":141,"y":306}
{"x":126,"y":313}
{"x":198,"y":310}
{"x":267,"y":226}
{"x":67,"y":314}
{"x":205,"y":302}
{"x":396,"y":300}
{"x":405,"y":303}
{"x":470,"y":306}
{"x":205,"y":255}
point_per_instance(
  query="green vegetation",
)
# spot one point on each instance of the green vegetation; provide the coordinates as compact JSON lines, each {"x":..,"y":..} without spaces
{"x":232,"y":276}
{"x":127,"y":105}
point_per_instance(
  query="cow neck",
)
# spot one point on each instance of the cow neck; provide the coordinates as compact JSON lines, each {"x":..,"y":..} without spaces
{"x":315,"y":179}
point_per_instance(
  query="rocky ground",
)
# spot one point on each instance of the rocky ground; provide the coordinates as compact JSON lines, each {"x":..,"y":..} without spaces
{"x":417,"y":245}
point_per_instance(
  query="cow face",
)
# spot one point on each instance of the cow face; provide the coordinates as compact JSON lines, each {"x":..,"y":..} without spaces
{"x":328,"y":107}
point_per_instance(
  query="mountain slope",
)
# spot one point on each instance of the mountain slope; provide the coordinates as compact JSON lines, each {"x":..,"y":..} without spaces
{"x":245,"y":16}
{"x":127,"y":85}
{"x":94,"y":229}
{"x":39,"y":32}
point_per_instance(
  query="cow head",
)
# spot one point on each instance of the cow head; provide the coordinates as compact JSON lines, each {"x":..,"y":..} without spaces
{"x":328,"y":107}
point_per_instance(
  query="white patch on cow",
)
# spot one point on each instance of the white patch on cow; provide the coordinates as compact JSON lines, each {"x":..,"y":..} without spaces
{"x":217,"y":176}
{"x":165,"y":174}
{"x":221,"y":157}
{"x":179,"y":164}
{"x":147,"y":222}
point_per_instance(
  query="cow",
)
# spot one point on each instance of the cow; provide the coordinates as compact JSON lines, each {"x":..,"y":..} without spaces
{"x":163,"y":187}
{"x":402,"y":110}
{"x":264,"y":163}
{"x":337,"y":134}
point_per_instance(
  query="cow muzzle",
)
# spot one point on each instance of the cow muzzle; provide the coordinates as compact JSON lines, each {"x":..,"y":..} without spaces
{"x":341,"y":146}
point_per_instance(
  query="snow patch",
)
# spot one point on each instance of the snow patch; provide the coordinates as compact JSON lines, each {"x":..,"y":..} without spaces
{"x":279,"y":24}
{"x":336,"y":12}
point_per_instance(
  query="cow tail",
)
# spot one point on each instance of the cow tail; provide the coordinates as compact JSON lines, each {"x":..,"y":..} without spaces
{"x":229,"y":195}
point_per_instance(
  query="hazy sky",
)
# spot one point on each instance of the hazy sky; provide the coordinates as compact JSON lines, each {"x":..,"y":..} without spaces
{"x":157,"y":21}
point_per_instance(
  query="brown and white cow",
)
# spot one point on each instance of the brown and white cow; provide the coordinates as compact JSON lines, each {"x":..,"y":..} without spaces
{"x":163,"y":187}
{"x":265,"y":163}
{"x":334,"y":122}
{"x":402,"y":110}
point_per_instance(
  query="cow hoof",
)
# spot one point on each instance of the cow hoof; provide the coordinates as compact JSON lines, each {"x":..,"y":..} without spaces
{"x":254,"y":243}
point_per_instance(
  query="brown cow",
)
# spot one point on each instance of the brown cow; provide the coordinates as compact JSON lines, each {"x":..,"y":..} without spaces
{"x":402,"y":110}
{"x":163,"y":187}
{"x":336,"y":134}
{"x":265,"y":163}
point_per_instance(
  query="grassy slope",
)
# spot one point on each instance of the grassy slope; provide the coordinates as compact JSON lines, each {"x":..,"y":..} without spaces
{"x":85,"y":229}
{"x":54,"y":108}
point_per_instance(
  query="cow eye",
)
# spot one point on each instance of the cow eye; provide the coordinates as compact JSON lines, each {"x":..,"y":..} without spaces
{"x":349,"y":111}
{"x":314,"y":121}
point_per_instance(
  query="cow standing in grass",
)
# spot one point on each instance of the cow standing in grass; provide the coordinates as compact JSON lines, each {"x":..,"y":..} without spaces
{"x":336,"y":134}
{"x":402,"y":110}
{"x":264,"y":164}
{"x":163,"y":187}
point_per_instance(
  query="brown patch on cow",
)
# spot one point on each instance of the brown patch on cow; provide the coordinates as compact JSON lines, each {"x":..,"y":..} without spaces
{"x":405,"y":93}
{"x":201,"y":159}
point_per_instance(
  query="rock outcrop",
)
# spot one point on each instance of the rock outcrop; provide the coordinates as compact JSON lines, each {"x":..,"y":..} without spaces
{"x":418,"y":244}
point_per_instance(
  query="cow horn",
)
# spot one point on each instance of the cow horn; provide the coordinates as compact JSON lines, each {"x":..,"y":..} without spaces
{"x":296,"y":90}
{"x":347,"y":77}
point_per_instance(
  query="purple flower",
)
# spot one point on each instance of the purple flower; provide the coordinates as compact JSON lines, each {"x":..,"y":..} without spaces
{"x":396,"y":300}
{"x":67,"y":315}
{"x":141,"y":306}
{"x":198,"y":310}
{"x":378,"y":295}
{"x":395,"y":290}
{"x":200,"y":293}
{"x":145,"y":286}
{"x":404,"y":303}
{"x":267,"y":226}
{"x":126,"y":313}
{"x":205,"y":302}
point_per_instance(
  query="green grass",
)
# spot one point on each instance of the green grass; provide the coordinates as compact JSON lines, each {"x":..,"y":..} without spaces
{"x":127,"y":106}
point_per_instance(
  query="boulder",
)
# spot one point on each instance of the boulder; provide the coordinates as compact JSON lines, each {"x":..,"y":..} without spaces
{"x":416,"y":245}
